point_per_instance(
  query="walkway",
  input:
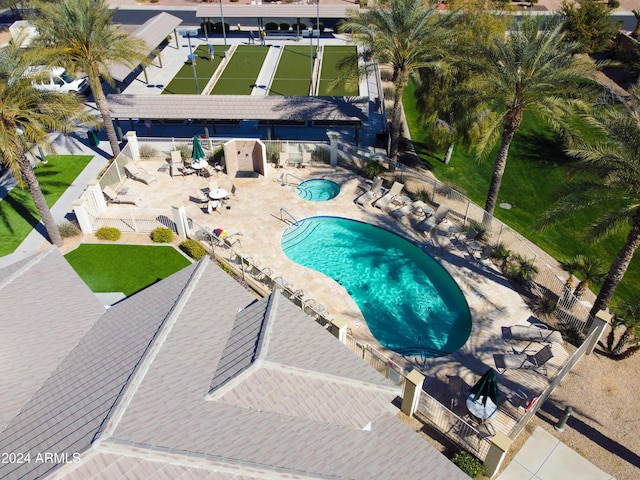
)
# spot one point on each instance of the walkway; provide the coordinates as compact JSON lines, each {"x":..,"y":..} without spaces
{"x":544,"y":457}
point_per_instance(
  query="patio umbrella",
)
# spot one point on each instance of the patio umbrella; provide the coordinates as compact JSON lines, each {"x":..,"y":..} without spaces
{"x":486,"y":387}
{"x":198,"y":152}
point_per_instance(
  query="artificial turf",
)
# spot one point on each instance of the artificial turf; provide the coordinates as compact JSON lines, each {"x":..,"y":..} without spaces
{"x":293,"y":75}
{"x":532,"y":179}
{"x":184,"y":82}
{"x":18,"y":214}
{"x":240,"y":74}
{"x":332,"y":55}
{"x":124,"y":268}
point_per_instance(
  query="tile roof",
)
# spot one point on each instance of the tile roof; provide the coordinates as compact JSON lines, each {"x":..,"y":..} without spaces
{"x":239,"y":107}
{"x":133,"y":396}
{"x":55,"y":309}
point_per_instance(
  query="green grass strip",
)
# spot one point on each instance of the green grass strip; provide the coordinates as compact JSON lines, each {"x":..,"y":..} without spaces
{"x":293,"y":74}
{"x":18,"y":214}
{"x":124,"y":268}
{"x":241,"y":72}
{"x":331,"y":57}
{"x":532,"y":179}
{"x":184,"y":83}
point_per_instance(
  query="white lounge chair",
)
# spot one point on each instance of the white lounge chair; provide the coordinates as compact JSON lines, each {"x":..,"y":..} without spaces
{"x":139,"y":174}
{"x":113,"y":197}
{"x":402,"y":211}
{"x":535,"y":333}
{"x":388,"y":197}
{"x":372,"y":194}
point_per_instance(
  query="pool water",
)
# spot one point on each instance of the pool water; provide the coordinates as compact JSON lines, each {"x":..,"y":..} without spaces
{"x":318,"y":190}
{"x":410,"y":303}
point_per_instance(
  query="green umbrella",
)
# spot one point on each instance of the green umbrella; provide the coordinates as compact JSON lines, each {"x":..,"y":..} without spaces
{"x":198,"y":152}
{"x":486,"y":387}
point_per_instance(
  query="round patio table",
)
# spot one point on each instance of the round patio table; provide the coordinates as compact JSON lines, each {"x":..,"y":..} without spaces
{"x":218,"y":194}
{"x":480,"y":411}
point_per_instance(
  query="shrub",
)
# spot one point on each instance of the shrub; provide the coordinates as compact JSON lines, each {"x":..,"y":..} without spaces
{"x":422,"y":195}
{"x":501,"y":254}
{"x":209,"y":26}
{"x":299,"y":26}
{"x":386,"y":75}
{"x":388,"y":91}
{"x":147,"y":151}
{"x":522,"y":269}
{"x":284,"y":26}
{"x":217,"y":27}
{"x":193,"y":249}
{"x":373,"y":168}
{"x":271,"y":26}
{"x":108,"y":233}
{"x":185,"y":150}
{"x":68,"y":229}
{"x":162,"y":235}
{"x":483,"y":230}
{"x":468,"y":464}
{"x":321,"y":27}
{"x":545,"y":306}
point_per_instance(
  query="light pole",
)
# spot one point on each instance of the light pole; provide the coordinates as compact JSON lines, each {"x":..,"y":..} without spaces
{"x":224,"y":31}
{"x":192,"y":58}
{"x":317,"y":23}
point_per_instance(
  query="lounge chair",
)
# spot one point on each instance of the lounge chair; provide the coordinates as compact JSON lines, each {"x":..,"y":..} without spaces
{"x":422,"y":209}
{"x":388,"y":197}
{"x":176,"y":165}
{"x":535,"y":333}
{"x":113,"y":197}
{"x":372,"y":194}
{"x":139,"y":174}
{"x":524,"y":361}
{"x":402,"y":211}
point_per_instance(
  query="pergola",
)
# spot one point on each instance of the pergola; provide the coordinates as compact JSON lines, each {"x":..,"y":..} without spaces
{"x":153,"y":32}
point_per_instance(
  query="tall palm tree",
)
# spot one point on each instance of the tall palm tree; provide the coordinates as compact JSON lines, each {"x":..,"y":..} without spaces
{"x":80,"y":34}
{"x":613,"y":158}
{"x":405,"y":35}
{"x":27,"y":115}
{"x":531,"y":69}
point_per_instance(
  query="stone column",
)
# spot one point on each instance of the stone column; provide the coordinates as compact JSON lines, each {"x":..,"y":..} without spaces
{"x":500,"y":444}
{"x":132,"y":141}
{"x":411,"y":394}
{"x":79,"y":207}
{"x":600,"y":322}
{"x":180,"y":217}
{"x":333,"y":137}
{"x":94,"y":190}
{"x":338,"y":327}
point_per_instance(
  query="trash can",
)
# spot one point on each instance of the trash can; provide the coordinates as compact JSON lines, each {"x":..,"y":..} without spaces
{"x":93,"y":138}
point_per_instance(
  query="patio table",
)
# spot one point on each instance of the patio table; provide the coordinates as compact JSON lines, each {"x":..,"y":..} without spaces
{"x":218,"y":194}
{"x":482,"y":412}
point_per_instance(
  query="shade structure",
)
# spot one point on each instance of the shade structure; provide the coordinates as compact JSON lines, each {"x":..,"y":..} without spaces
{"x":486,"y":387}
{"x":198,"y":152}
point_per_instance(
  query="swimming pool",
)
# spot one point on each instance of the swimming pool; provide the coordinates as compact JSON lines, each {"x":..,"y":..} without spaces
{"x":318,"y":190}
{"x":409,"y":301}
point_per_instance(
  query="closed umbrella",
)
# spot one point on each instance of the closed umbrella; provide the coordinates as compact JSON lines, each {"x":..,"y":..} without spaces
{"x":486,"y":387}
{"x":198,"y":152}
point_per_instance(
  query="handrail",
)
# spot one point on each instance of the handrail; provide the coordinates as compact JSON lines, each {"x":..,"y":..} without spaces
{"x":284,"y":210}
{"x":287,"y":174}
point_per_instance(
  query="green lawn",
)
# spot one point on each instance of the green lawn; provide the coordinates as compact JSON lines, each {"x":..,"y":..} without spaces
{"x":293,"y":75}
{"x":241,"y":72}
{"x":18,"y":214}
{"x":531,"y":181}
{"x":124,"y":268}
{"x":331,"y":57}
{"x":184,"y":83}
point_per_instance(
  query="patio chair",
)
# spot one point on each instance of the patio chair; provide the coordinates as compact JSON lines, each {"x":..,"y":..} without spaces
{"x":421,"y":209}
{"x":213,"y":205}
{"x":471,"y":235}
{"x":113,"y":197}
{"x":458,"y":391}
{"x":138,"y":174}
{"x":388,"y":197}
{"x":524,"y":361}
{"x":199,"y":197}
{"x":176,"y":165}
{"x":372,"y":194}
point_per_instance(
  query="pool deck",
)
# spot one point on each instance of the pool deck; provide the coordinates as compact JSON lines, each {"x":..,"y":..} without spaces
{"x":256,"y":213}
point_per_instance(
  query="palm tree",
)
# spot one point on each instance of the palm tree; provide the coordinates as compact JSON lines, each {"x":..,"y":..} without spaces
{"x":530,"y":69}
{"x":613,"y":158}
{"x":26,"y":117}
{"x":80,"y":34}
{"x":405,"y":35}
{"x":592,"y":270}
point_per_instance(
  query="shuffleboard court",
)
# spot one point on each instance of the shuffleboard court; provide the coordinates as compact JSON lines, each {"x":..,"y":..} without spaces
{"x":293,"y":75}
{"x":332,"y":55}
{"x":241,"y":72}
{"x":184,"y":83}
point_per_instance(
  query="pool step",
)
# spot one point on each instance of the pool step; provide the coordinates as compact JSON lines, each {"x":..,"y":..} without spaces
{"x":296,"y":234}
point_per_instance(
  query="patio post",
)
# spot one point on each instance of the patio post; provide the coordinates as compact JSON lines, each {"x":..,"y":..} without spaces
{"x":180,"y":218}
{"x":333,"y":137}
{"x":411,"y":392}
{"x":134,"y":148}
{"x":500,"y":444}
{"x":598,"y":325}
{"x":338,"y":328}
{"x":80,"y":209}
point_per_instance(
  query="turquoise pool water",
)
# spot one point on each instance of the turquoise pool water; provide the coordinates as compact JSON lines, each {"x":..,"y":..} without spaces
{"x":411,"y":304}
{"x":318,"y":190}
